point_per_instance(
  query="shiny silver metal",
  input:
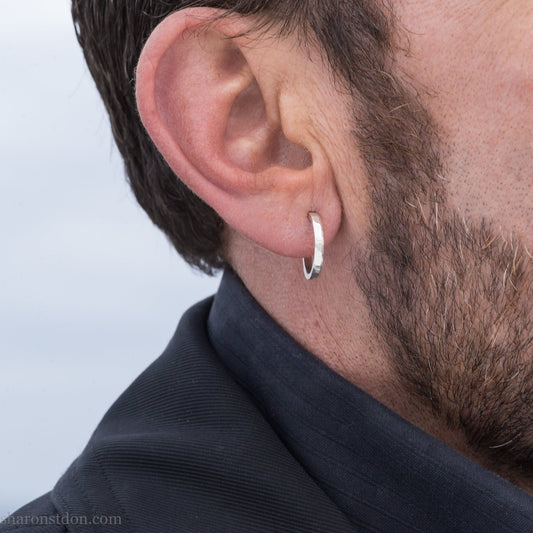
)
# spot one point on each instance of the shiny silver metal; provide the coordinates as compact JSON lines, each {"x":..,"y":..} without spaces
{"x":318,"y":257}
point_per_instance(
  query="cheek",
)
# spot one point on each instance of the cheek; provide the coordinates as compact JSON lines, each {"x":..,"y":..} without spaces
{"x":475,"y":76}
{"x":484,"y":109}
{"x":491,"y":178}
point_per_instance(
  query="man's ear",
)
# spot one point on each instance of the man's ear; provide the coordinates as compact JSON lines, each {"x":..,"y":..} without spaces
{"x":224,"y":111}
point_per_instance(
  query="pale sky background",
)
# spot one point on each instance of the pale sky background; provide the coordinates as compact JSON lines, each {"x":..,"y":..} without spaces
{"x":90,"y":291}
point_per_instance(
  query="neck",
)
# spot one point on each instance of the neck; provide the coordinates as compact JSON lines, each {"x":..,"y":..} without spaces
{"x":330,"y":319}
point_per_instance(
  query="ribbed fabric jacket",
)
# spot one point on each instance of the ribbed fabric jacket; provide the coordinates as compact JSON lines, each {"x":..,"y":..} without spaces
{"x":237,"y":429}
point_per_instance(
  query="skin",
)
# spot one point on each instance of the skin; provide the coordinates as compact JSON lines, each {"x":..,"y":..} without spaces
{"x":471,"y":66}
{"x":468,"y":65}
{"x":478,"y":62}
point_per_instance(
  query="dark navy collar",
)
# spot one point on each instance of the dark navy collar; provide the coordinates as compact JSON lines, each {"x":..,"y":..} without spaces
{"x":380,"y":470}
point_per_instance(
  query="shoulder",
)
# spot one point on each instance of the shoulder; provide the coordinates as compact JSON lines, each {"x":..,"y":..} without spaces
{"x":185,"y":448}
{"x":39,"y":516}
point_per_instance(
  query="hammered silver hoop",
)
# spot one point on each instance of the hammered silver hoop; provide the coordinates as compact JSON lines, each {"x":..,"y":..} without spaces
{"x":318,"y":257}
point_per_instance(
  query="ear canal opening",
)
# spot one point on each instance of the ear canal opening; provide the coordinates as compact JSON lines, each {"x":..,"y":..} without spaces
{"x":291,"y":155}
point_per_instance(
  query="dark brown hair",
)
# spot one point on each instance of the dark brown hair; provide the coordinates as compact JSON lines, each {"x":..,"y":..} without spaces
{"x":353,"y":34}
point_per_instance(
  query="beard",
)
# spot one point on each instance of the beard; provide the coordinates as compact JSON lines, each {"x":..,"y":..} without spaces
{"x":451,"y":298}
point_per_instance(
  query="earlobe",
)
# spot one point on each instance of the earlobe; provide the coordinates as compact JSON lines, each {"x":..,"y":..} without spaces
{"x":220,"y":127}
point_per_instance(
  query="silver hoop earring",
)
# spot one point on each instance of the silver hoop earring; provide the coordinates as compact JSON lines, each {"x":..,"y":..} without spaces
{"x":318,"y":257}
